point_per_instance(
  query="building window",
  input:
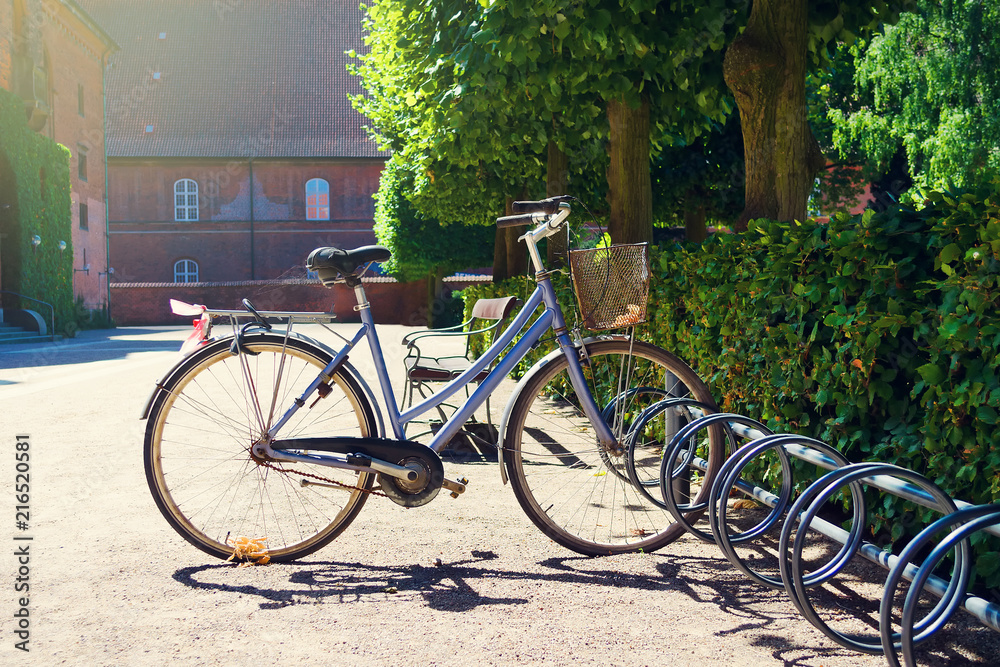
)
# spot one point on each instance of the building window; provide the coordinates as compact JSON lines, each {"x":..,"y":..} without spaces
{"x":317,"y":199}
{"x":185,"y":200}
{"x":84,"y":216}
{"x":185,"y":271}
{"x":81,"y":162}
{"x":79,"y":99}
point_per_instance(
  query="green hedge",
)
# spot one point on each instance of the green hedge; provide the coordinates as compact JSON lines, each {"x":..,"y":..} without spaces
{"x":877,"y":334}
{"x":41,"y":208}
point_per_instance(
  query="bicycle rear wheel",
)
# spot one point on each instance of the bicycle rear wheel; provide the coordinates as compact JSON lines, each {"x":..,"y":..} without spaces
{"x":202,"y":426}
{"x":574,"y":490}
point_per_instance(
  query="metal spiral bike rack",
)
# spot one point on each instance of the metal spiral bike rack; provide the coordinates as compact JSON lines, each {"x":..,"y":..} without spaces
{"x":960,"y":518}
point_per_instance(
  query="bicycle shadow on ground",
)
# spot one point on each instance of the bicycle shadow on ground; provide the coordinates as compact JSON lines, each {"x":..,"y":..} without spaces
{"x":447,"y":586}
{"x":458,"y":586}
{"x":443,"y":587}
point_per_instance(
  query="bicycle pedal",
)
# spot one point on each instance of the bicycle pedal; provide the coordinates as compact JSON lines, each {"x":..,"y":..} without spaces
{"x":456,"y":488}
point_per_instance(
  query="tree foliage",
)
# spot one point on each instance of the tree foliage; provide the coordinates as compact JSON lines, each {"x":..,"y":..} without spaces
{"x":931,"y":90}
{"x":445,"y":110}
{"x":472,"y":94}
{"x":576,"y":55}
{"x":651,"y":69}
{"x":423,"y":246}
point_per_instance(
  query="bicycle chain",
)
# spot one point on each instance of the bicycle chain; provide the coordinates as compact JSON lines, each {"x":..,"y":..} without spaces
{"x":291,"y":471}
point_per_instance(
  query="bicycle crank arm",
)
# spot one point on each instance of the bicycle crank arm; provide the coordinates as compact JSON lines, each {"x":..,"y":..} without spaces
{"x":455,"y":487}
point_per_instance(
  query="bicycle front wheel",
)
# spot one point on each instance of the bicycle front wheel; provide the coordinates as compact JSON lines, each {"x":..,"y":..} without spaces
{"x":570,"y":486}
{"x":200,"y":431}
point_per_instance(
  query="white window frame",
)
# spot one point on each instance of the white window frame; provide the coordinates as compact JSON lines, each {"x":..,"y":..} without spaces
{"x":315,"y":210}
{"x":186,"y":200}
{"x":185,"y":271}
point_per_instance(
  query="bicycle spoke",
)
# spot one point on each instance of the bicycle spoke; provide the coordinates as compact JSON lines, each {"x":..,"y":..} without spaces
{"x":574,"y":489}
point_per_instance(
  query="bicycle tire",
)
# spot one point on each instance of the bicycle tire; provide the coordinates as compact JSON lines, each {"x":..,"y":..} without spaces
{"x":562,"y":477}
{"x":203,"y":423}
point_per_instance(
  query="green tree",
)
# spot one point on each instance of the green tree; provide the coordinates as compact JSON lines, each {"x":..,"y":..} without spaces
{"x":510,"y":87}
{"x":931,"y":91}
{"x":766,"y":68}
{"x":423,"y":248}
{"x":433,"y":98}
{"x":650,"y":68}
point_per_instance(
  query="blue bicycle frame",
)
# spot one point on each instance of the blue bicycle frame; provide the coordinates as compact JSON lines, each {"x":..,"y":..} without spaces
{"x":550,"y":318}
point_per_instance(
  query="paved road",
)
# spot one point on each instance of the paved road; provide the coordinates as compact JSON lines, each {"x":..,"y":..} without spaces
{"x":110,"y":583}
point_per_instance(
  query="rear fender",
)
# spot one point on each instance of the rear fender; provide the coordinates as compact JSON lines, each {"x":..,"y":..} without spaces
{"x":213,"y":347}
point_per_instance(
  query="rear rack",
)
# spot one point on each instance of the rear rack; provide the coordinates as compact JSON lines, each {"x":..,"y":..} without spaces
{"x":278,"y":315}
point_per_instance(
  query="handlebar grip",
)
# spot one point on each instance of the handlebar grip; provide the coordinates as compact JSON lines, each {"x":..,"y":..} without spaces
{"x":516,"y":220}
{"x":550,"y":205}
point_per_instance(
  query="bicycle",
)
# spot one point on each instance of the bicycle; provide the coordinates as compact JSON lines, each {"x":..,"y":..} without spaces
{"x":232,"y":426}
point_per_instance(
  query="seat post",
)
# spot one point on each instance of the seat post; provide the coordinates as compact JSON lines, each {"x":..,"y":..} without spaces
{"x":362,"y":298}
{"x":354,"y":281}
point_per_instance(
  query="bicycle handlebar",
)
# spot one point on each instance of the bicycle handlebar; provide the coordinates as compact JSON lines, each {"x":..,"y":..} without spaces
{"x":520,"y":220}
{"x":546,"y":223}
{"x":550,"y":205}
{"x":533,"y":212}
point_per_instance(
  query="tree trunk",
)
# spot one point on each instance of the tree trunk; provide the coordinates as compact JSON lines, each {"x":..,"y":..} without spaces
{"x":630,"y":190}
{"x":694,"y":223}
{"x":500,"y":256}
{"x":517,"y":253}
{"x":435,"y":288}
{"x":556,"y":183}
{"x":765,"y":67}
{"x":509,"y":255}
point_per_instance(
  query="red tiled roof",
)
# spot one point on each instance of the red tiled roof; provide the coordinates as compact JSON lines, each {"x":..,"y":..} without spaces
{"x":237,"y":78}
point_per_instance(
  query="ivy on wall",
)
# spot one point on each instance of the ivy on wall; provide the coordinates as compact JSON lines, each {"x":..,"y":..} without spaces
{"x":878,"y":333}
{"x":40,"y":207}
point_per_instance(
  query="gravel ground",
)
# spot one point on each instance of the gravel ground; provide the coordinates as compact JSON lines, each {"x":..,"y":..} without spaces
{"x":456,"y":582}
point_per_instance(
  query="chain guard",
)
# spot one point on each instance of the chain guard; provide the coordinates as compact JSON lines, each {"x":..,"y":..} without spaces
{"x":407,"y":453}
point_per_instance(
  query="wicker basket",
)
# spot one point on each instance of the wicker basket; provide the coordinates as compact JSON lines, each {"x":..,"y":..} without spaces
{"x":612,"y":285}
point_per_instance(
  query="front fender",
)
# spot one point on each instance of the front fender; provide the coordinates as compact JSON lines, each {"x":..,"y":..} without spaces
{"x":532,"y":372}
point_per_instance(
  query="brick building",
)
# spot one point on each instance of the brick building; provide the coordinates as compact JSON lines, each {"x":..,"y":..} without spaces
{"x":232,"y":146}
{"x":52,"y":55}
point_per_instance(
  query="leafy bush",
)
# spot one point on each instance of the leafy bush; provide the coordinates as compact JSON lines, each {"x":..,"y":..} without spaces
{"x":878,"y":334}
